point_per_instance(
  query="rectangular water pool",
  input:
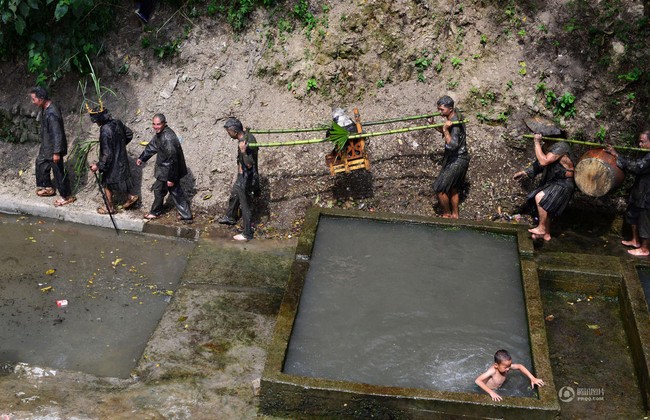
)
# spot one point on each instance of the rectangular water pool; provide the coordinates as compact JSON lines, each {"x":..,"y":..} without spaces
{"x":390,"y":316}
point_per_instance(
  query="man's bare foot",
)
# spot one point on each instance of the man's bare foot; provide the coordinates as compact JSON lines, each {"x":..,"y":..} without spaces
{"x":631,"y":243}
{"x":639,"y":252}
{"x":536,"y":230}
{"x":545,"y":236}
{"x":446,"y":216}
{"x":454,"y":216}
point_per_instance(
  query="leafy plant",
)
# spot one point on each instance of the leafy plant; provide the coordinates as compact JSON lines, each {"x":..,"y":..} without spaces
{"x":380,"y":83}
{"x":509,"y":84}
{"x":601,"y":134}
{"x":522,"y":68}
{"x":456,"y":62}
{"x":312,"y":84}
{"x":631,"y":76}
{"x":522,"y":33}
{"x":53,"y":35}
{"x":565,"y":106}
{"x":543,"y":28}
{"x":422,"y":63}
{"x":484,"y":39}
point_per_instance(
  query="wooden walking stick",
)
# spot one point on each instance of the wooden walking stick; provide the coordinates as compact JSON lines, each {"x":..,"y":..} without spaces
{"x":108,"y":208}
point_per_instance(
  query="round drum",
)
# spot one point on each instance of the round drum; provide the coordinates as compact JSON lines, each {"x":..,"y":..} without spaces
{"x":596,"y":173}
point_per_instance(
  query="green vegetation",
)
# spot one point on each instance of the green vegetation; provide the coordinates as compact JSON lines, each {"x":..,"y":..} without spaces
{"x":312,"y":84}
{"x":422,"y":63}
{"x":601,"y":133}
{"x":522,"y":68}
{"x":456,"y":62}
{"x":565,"y":106}
{"x":484,"y":39}
{"x":632,"y":76}
{"x":53,"y":35}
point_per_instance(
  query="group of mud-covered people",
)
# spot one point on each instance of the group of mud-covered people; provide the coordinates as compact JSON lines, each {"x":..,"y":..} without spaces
{"x":113,"y":171}
{"x":550,"y":199}
{"x":557,"y":185}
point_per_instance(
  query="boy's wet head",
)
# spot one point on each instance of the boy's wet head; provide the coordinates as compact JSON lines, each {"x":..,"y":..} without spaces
{"x":502,"y":361}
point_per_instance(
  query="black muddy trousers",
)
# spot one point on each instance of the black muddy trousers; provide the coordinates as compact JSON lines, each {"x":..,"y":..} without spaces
{"x":43,"y":180}
{"x":160,"y":190}
{"x":239,"y":198}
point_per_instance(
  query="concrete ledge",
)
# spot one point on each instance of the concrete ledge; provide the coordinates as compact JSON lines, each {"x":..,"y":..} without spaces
{"x":77,"y":214}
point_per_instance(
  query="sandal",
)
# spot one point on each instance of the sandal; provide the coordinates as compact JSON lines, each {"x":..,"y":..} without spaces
{"x":65,"y":201}
{"x":45,"y":192}
{"x":102,"y":210}
{"x":130,"y":202}
{"x":150,"y":216}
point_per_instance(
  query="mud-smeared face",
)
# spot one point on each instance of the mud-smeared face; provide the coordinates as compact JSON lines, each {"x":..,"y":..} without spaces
{"x":444,"y":111}
{"x":644,"y":141}
{"x":36,"y":101}
{"x":158,"y":125}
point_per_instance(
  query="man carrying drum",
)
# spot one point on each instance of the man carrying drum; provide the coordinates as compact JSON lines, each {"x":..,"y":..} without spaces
{"x":637,"y":213}
{"x":556,"y":188}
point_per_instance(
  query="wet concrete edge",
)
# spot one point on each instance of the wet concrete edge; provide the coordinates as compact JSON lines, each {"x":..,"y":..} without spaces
{"x":9,"y":204}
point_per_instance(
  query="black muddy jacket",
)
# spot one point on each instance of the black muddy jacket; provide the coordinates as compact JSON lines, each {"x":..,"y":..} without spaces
{"x":53,"y":138}
{"x":170,"y":162}
{"x":113,"y":158}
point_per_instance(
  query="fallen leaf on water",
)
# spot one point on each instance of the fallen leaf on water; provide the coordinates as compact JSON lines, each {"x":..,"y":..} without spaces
{"x":550,"y":317}
{"x":116,"y":262}
{"x":50,"y":271}
{"x":169,"y":292}
{"x":593,"y":326}
{"x":46,"y":289}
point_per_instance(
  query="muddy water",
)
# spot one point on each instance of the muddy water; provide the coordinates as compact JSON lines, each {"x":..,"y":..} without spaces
{"x":116,"y":288}
{"x":410,"y":306}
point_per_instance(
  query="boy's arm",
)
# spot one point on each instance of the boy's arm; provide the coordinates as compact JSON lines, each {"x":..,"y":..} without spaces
{"x":533,"y":380}
{"x":482,"y":379}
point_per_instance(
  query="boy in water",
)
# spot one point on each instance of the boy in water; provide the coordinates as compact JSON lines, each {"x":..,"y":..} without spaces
{"x":496,"y":375}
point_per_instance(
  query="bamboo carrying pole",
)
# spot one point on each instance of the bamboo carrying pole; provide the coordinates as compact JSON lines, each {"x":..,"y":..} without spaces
{"x":325,"y":127}
{"x":353,"y":136}
{"x":589,"y":143}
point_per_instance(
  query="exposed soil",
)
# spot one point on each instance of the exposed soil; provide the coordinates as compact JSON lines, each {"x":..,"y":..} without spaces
{"x":489,"y":58}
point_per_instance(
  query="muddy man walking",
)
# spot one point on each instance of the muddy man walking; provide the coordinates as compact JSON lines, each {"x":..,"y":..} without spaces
{"x":54,"y":146}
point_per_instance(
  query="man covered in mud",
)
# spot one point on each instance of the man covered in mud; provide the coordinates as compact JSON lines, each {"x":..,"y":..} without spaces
{"x":455,"y":159}
{"x":54,"y":146}
{"x":169,"y":170}
{"x":113,"y":163}
{"x":247,"y":181}
{"x":637,"y":213}
{"x":556,"y":186}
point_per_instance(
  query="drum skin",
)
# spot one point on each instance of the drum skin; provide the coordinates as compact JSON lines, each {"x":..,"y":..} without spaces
{"x":596,"y":173}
